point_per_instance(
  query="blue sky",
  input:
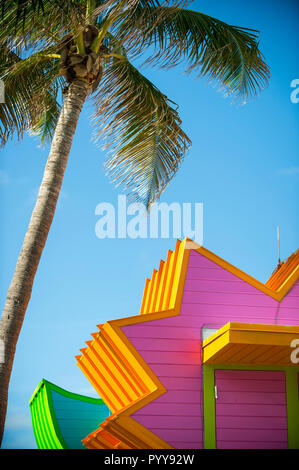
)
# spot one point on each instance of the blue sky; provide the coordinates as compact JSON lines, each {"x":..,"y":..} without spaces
{"x":243,"y":166}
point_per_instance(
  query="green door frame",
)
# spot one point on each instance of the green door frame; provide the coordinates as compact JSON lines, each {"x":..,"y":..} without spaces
{"x":292,"y":399}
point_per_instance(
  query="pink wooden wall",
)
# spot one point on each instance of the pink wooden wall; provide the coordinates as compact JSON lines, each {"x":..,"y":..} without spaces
{"x":288,"y":313}
{"x":172,"y":346}
{"x":251,"y":409}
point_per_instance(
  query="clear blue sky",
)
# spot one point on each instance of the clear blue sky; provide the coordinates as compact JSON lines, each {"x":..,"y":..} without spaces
{"x":243,"y":166}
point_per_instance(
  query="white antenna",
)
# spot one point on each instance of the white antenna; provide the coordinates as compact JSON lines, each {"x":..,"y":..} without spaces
{"x":278,"y":242}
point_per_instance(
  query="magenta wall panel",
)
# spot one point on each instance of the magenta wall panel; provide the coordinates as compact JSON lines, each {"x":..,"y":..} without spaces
{"x":251,"y":410}
{"x":172,"y":346}
{"x":288,"y":313}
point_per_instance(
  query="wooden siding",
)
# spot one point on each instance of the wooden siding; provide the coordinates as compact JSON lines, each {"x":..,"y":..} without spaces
{"x":288,"y":313}
{"x":251,"y":410}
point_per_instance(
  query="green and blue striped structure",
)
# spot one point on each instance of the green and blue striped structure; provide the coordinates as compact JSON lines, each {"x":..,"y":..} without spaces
{"x":61,"y":419}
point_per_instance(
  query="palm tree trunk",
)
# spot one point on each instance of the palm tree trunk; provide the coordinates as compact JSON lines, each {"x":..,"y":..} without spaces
{"x":19,"y":292}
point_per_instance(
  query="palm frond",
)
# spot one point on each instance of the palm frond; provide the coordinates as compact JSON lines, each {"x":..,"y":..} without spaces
{"x":32,"y":23}
{"x":142,"y":131}
{"x":110,"y":6}
{"x":28,"y":86}
{"x":228,"y":54}
{"x":21,"y":7}
{"x":114,"y":46}
{"x":47,"y":115}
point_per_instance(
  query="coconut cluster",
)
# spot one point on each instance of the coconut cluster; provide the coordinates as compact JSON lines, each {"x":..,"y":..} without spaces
{"x":86,"y":66}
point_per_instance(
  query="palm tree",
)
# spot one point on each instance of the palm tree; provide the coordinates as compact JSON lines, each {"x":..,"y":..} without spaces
{"x":84,"y":48}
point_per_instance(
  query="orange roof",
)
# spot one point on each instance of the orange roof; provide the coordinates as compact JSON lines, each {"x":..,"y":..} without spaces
{"x":283,"y":271}
{"x":160,"y":291}
{"x":125,"y":383}
{"x":249,"y":343}
{"x":119,"y":373}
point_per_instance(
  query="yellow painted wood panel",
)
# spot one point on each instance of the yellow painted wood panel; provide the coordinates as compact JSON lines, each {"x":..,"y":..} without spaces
{"x":251,"y":344}
{"x":115,"y":371}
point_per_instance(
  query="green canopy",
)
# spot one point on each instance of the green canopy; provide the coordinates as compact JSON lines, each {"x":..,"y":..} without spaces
{"x":61,"y":419}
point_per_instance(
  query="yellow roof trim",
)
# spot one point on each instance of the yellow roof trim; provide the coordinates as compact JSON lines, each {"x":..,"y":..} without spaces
{"x":283,"y":271}
{"x":120,"y":430}
{"x":161,"y":293}
{"x":275,"y":294}
{"x":164,"y":282}
{"x":250,"y":344}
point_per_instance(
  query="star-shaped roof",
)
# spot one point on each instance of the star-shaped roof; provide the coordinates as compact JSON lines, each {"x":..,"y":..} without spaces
{"x":118,"y":371}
